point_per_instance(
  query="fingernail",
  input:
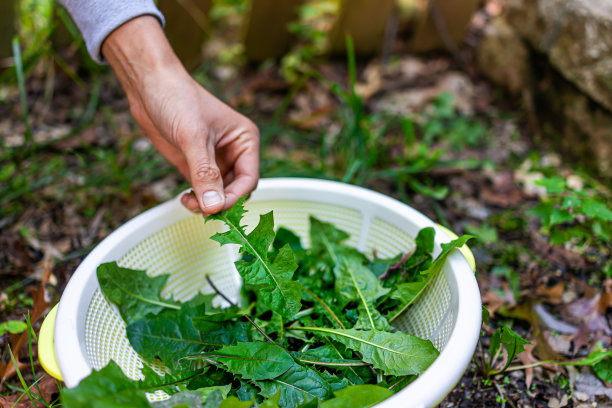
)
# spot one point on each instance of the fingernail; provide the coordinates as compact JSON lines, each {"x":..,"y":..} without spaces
{"x":211,"y":199}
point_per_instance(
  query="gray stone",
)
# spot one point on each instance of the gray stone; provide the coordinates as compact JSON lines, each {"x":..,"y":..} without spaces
{"x":503,"y":56}
{"x":575,"y":35}
{"x":587,"y":123}
{"x":580,"y":127}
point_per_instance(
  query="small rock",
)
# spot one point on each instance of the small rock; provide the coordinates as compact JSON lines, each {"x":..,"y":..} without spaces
{"x":162,"y":189}
{"x":406,"y":101}
{"x":575,"y":182}
{"x":551,"y":160}
{"x":14,"y":140}
{"x":142,"y":144}
{"x":47,"y":134}
{"x":581,"y":396}
{"x":462,"y":89}
{"x":555,"y":403}
{"x":527,"y":180}
{"x":473,"y":208}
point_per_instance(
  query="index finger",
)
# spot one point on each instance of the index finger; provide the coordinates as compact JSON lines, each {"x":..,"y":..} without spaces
{"x":246,"y":176}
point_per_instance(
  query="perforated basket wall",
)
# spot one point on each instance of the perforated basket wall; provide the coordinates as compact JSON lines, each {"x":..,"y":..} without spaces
{"x":184,"y":250}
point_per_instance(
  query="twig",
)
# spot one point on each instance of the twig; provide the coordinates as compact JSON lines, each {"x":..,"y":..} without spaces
{"x":216,"y":289}
{"x":311,"y":323}
{"x":397,"y":383}
{"x":390,"y":34}
{"x":501,"y":394}
{"x":483,"y":366}
{"x":442,"y":29}
{"x":399,"y":263}
{"x":523,"y":367}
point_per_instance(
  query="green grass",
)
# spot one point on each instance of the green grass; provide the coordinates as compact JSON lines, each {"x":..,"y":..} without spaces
{"x":26,"y":391}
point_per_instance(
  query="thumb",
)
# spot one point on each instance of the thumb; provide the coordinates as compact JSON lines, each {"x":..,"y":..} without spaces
{"x":206,"y":179}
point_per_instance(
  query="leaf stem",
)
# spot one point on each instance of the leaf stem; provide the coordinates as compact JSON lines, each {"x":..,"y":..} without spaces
{"x":523,"y":367}
{"x":418,"y":295}
{"x":197,"y":372}
{"x":395,"y":266}
{"x":216,"y":289}
{"x":143,"y":299}
{"x":248,"y":244}
{"x":332,"y":345}
{"x":335,"y":332}
{"x":259,"y":329}
{"x":325,"y":306}
{"x":365,"y":304}
{"x":355,"y":364}
{"x":303,"y":313}
{"x":398,"y":382}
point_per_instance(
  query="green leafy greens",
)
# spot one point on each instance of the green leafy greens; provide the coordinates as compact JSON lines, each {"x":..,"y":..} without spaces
{"x":314,"y":327}
{"x":271,"y":278}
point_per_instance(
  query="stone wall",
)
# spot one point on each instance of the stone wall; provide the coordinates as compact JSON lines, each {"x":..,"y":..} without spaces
{"x":575,"y":35}
{"x":574,"y":97}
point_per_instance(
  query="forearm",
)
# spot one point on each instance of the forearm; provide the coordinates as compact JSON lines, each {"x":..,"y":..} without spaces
{"x":96,"y":19}
{"x":138,"y":52}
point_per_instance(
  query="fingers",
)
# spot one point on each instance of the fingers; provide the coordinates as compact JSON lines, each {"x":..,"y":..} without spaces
{"x":240,"y":187}
{"x":204,"y":175}
{"x":190,"y":202}
{"x":245,"y":174}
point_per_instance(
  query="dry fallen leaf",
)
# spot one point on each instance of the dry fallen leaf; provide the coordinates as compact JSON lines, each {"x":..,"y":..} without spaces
{"x":18,"y":340}
{"x":373,"y":80}
{"x":556,"y":255}
{"x":526,"y":358}
{"x":526,"y":311}
{"x":561,"y":343}
{"x":47,"y":386}
{"x":586,"y":382}
{"x":552,"y":294}
{"x":493,"y":302}
{"x":589,"y":312}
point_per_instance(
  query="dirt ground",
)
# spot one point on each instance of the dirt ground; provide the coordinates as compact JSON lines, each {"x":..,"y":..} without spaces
{"x":88,"y":169}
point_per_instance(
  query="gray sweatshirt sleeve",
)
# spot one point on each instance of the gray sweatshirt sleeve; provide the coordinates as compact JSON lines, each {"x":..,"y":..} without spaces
{"x":96,"y":19}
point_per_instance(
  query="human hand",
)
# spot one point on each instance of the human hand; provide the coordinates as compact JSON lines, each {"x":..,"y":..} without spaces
{"x":213,"y":146}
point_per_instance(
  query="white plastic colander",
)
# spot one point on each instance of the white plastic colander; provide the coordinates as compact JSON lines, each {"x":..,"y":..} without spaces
{"x":168,"y":239}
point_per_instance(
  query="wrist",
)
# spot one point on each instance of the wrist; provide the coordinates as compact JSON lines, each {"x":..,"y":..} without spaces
{"x":139,"y":53}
